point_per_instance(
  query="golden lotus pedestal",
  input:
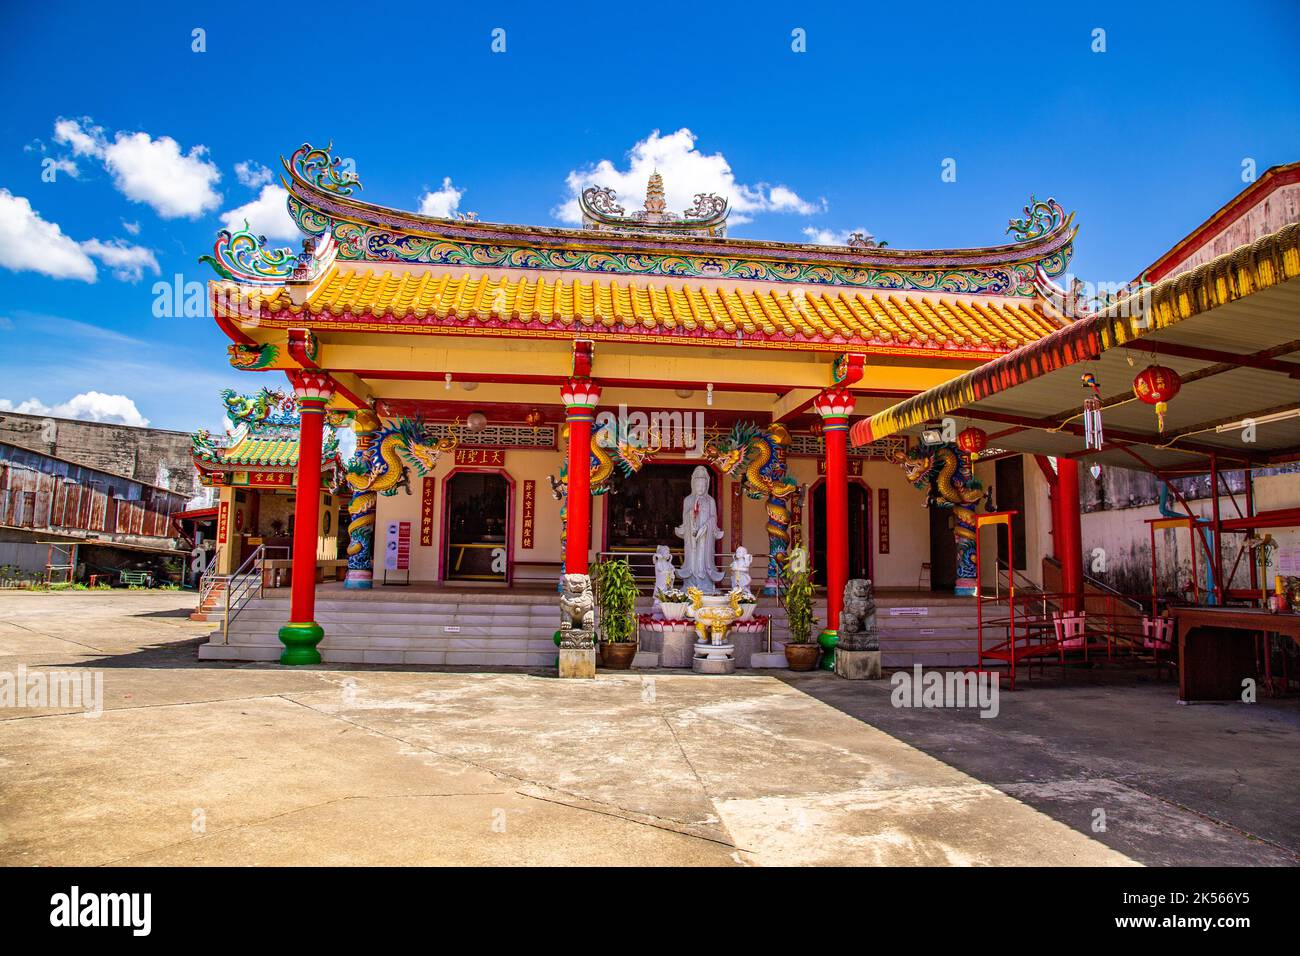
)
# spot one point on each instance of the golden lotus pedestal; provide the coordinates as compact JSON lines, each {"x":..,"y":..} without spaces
{"x":713,"y":614}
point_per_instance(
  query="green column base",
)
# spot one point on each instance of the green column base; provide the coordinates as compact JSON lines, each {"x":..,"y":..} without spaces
{"x":828,"y":641}
{"x":300,"y":642}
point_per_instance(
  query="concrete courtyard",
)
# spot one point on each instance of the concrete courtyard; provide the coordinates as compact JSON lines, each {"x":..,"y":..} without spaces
{"x":252,"y":764}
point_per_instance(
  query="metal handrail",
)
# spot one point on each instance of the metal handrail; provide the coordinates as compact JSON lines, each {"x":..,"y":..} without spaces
{"x":240,"y":585}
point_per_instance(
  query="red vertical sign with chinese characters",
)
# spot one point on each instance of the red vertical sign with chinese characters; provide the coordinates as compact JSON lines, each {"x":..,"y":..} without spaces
{"x":882,"y":521}
{"x":529,"y":509}
{"x":426,"y":513}
{"x":223,"y":522}
{"x":404,"y":546}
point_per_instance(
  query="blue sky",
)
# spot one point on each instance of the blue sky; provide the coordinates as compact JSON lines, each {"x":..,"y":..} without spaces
{"x":1144,"y":140}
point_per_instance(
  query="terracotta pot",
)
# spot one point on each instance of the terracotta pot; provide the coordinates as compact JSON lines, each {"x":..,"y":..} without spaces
{"x":802,"y":657}
{"x":618,"y":657}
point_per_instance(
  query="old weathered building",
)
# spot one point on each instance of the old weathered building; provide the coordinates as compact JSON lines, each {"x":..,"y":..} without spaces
{"x":83,"y":521}
{"x":153,"y":456}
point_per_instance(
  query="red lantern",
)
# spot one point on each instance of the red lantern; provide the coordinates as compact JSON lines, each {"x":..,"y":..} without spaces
{"x":1156,"y":385}
{"x":973,"y":440}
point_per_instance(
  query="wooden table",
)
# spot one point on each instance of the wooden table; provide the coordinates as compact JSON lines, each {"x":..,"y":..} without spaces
{"x":1216,"y":648}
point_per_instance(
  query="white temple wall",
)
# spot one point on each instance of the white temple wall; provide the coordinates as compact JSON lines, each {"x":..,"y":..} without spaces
{"x":909,"y":522}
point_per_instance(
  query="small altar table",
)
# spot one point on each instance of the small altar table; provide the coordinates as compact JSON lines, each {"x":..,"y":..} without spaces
{"x":1216,"y":648}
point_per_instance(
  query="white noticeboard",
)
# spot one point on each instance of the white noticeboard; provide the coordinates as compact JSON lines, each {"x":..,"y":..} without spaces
{"x":397,"y":546}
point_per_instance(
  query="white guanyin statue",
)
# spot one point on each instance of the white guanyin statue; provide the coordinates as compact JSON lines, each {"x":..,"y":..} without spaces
{"x":699,"y":531}
{"x":664,"y":573}
{"x":740,"y":569}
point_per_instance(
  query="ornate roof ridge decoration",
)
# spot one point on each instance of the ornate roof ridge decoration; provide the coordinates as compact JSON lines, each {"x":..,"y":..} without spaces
{"x":323,"y":170}
{"x":706,"y":217}
{"x":1041,"y":219}
{"x":243,"y":256}
{"x":263,"y":432}
{"x":366,"y":232}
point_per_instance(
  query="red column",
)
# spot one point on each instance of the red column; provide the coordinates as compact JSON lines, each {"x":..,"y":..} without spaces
{"x":580,"y":397}
{"x":1069,"y":531}
{"x":313,"y":389}
{"x":835,"y":405}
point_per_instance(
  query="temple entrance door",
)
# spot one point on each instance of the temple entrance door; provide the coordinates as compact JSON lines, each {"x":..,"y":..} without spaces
{"x":642,"y":511}
{"x":476,"y":528}
{"x":859,"y":531}
{"x":943,"y":550}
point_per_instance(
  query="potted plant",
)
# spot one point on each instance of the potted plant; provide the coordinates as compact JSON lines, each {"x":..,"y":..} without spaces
{"x":616,"y":594}
{"x":748,"y":603}
{"x":800,"y":650}
{"x":673,"y":601}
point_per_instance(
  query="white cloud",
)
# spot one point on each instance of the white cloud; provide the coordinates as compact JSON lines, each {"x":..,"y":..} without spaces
{"x":152,"y":171}
{"x":155,"y":172}
{"x":85,"y":138}
{"x":87,"y":406}
{"x":132,"y":227}
{"x":63,"y":165}
{"x":252,"y":174}
{"x":831,"y":237}
{"x":685,"y":171}
{"x":30,"y":244}
{"x":442,"y":203}
{"x":267,"y":215}
{"x":127,"y":262}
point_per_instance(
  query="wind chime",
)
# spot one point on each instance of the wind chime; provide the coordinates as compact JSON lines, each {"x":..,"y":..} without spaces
{"x":1091,"y":413}
{"x":1092,"y":437}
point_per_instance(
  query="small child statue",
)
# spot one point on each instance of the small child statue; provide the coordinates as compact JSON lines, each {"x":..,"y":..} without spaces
{"x":664,"y":574}
{"x":740,"y":577}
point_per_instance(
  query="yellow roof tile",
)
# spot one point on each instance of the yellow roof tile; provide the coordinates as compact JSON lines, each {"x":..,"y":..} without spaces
{"x":851,"y":316}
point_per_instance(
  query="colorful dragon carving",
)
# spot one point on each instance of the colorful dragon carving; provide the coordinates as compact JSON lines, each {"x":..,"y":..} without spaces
{"x":944,"y":473}
{"x":381,"y":466}
{"x":251,"y":357}
{"x":255,"y":411}
{"x":756,"y":456}
{"x":608,"y":451}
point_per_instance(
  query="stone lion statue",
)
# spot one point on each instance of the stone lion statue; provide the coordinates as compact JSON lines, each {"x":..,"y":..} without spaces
{"x":577,"y":611}
{"x":857,"y":628}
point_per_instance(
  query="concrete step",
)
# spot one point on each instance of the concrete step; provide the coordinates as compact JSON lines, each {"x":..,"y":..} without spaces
{"x":236,"y":651}
{"x":514,"y":629}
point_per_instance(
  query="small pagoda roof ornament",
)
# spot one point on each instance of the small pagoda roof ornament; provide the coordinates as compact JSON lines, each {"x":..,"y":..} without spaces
{"x":707,"y":217}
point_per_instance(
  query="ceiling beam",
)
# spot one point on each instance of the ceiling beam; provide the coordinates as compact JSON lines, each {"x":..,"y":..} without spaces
{"x":1260,"y":360}
{"x":793,"y":402}
{"x":1136,"y":438}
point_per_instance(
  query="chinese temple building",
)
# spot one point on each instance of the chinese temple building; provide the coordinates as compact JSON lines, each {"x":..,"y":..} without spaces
{"x":526,"y":399}
{"x":254,"y":469}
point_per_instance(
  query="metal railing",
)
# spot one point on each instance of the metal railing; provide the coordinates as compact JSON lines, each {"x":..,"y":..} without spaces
{"x":238,"y":588}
